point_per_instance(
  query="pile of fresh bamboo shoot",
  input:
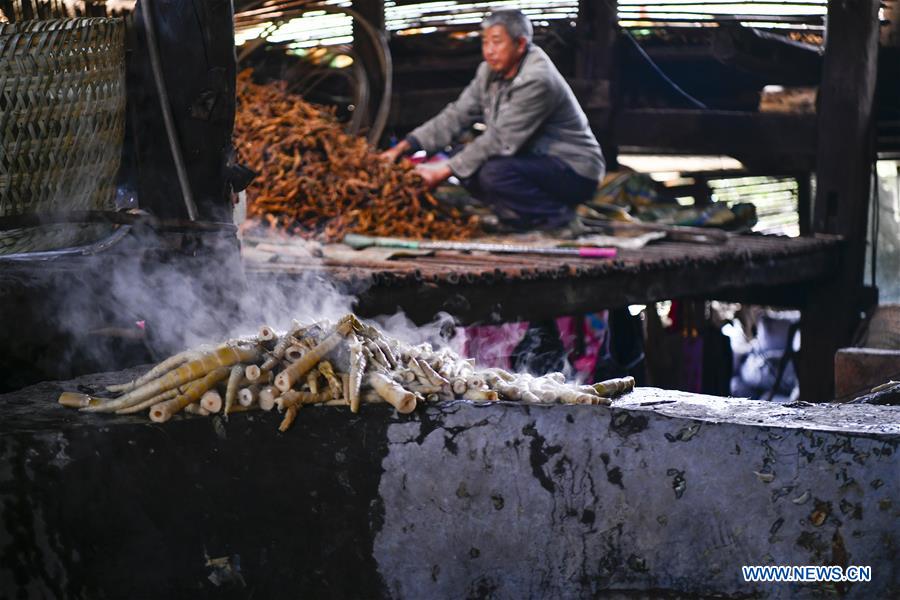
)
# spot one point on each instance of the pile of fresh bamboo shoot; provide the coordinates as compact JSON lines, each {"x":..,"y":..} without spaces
{"x":347,"y":363}
{"x":316,"y":180}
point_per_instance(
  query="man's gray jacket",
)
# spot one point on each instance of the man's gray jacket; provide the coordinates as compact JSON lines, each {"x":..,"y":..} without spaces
{"x":535,"y":112}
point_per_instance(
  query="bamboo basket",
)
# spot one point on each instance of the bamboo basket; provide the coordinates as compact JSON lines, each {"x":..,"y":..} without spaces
{"x":62,"y":120}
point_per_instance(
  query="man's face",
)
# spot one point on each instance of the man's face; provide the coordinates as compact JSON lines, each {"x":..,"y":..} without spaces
{"x":500,"y":51}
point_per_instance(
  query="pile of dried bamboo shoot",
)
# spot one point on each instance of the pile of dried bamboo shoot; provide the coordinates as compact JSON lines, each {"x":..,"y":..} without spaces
{"x":315,"y":180}
{"x":342,"y":364}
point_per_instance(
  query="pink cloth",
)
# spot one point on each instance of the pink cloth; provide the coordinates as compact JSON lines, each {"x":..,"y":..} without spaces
{"x":594,"y":330}
{"x":493,"y":345}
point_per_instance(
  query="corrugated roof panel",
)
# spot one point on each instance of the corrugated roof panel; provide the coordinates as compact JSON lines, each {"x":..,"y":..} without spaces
{"x":764,"y":14}
{"x":424,"y":16}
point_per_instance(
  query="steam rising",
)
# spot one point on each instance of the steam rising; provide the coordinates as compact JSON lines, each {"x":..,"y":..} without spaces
{"x":178,"y":300}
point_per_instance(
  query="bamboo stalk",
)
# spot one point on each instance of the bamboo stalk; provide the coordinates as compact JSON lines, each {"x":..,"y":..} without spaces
{"x":416,"y":368}
{"x":312,"y":380}
{"x":266,"y":334}
{"x":386,"y":351}
{"x":211,"y":401}
{"x":286,"y":379}
{"x":163,"y":411}
{"x":431,"y":375}
{"x":529,"y":397}
{"x":614,"y":387}
{"x":252,"y":373}
{"x":294,"y":398}
{"x":392,"y":392}
{"x":474,"y":382}
{"x":480,"y":395}
{"x":334,"y":383}
{"x":224,"y":356}
{"x":158,"y":371}
{"x":425,"y":388}
{"x":196,"y":409}
{"x":357,"y":369}
{"x":266,"y":397}
{"x":247,"y":396}
{"x":231,"y":388}
{"x":76,"y":400}
{"x":378,"y":355}
{"x":141,"y":406}
{"x":289,"y":415}
{"x":278,"y":352}
{"x":294,"y":352}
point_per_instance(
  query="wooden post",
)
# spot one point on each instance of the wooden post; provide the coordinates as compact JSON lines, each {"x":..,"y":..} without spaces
{"x":373,"y":12}
{"x":804,"y":203}
{"x":890,"y":33}
{"x":843,"y":173}
{"x":702,"y":191}
{"x":195,"y":42}
{"x":595,"y":70}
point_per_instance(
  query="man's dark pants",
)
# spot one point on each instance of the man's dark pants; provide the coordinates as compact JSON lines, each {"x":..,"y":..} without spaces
{"x":530,"y":192}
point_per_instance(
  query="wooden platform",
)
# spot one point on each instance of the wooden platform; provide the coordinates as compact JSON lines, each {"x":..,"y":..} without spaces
{"x":484,"y":288}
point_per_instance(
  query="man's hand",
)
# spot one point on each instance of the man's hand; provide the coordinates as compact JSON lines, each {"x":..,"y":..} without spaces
{"x":434,"y":173}
{"x":392,"y":154}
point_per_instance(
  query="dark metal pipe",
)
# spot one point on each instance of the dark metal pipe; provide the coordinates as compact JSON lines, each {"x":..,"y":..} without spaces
{"x":169,"y":121}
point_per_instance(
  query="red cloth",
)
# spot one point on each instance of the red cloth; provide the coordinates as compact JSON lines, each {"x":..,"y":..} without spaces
{"x":493,"y":345}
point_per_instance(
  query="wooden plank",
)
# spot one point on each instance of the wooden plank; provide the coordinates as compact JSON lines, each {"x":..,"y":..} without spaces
{"x":543,"y":297}
{"x":737,"y":253}
{"x":844,"y":168}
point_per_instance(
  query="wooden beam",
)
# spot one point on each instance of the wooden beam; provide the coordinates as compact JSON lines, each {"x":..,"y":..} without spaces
{"x":773,"y":143}
{"x":765,"y":142}
{"x":776,"y":57}
{"x":844,"y":168}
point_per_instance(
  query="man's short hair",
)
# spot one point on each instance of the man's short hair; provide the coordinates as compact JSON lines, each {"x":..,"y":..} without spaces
{"x":514,"y":21}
